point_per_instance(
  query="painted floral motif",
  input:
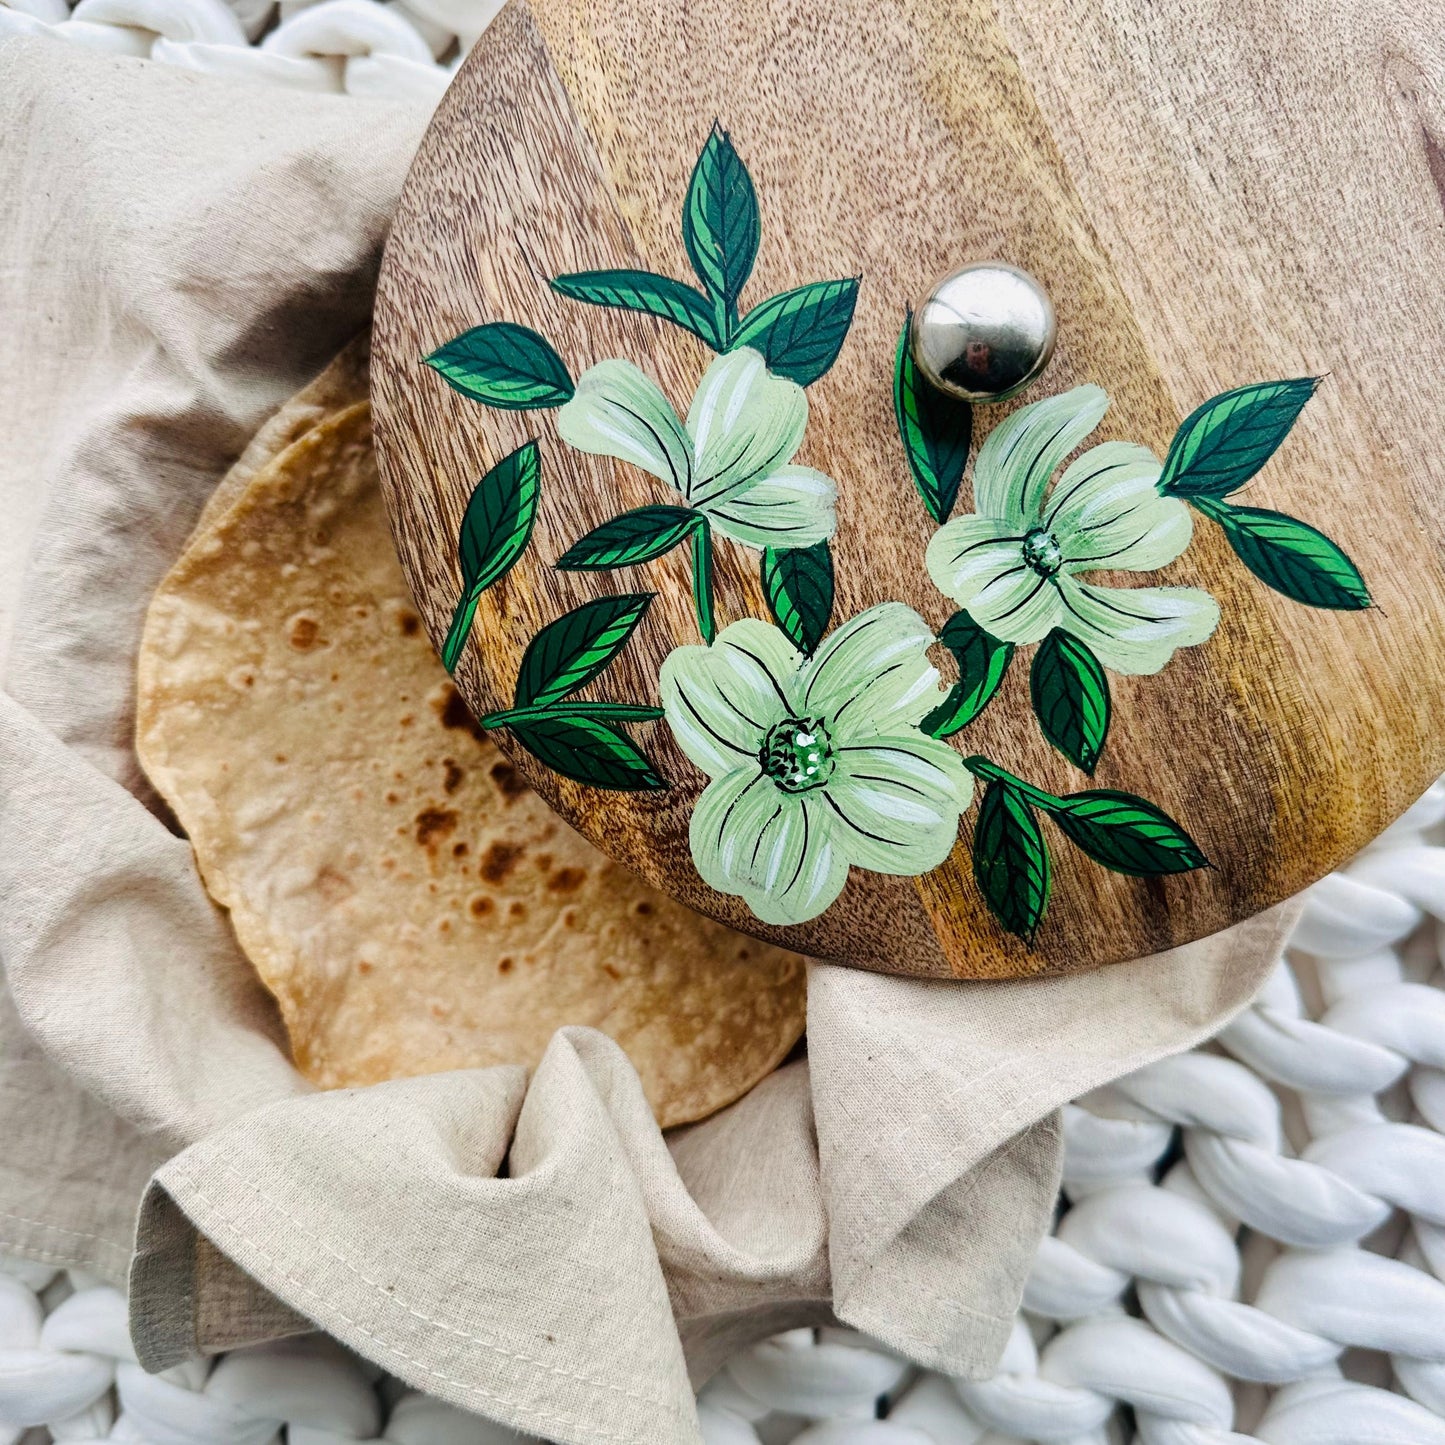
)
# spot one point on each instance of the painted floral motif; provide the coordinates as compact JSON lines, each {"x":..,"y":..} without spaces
{"x":1016,"y":564}
{"x":816,"y":764}
{"x":732,"y":462}
{"x":826,"y":751}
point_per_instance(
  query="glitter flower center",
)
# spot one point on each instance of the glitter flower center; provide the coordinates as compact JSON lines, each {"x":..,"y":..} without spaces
{"x":797,"y":754}
{"x":1042,"y":552}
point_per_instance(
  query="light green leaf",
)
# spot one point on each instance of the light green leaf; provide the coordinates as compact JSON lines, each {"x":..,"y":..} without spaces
{"x":642,"y":291}
{"x":1289,"y":556}
{"x":1071,"y":698}
{"x":721,"y":228}
{"x":587,"y":750}
{"x":570,"y":652}
{"x":503,"y":365}
{"x":633,"y":537}
{"x":800,"y":332}
{"x":1224,"y":442}
{"x":936,"y":431}
{"x":1011,"y":860}
{"x":1127,"y":834}
{"x":982,"y":661}
{"x":494,"y":532}
{"x":798,"y":582}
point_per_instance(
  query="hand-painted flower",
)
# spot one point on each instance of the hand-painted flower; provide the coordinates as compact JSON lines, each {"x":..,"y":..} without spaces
{"x":816,"y":764}
{"x":732,"y":459}
{"x":1015,"y":567}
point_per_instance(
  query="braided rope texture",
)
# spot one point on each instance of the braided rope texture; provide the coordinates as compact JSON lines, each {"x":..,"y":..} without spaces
{"x":392,"y":49}
{"x":1250,"y":1243}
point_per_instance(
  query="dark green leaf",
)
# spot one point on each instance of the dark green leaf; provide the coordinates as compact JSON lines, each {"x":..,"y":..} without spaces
{"x":936,"y":431}
{"x":504,"y":365}
{"x":1071,"y":698}
{"x":587,"y":751}
{"x":499,"y":516}
{"x":1127,"y":834}
{"x":702,"y":594}
{"x":1224,"y":442}
{"x":799,"y":585}
{"x":494,"y":532}
{"x":1011,"y":860}
{"x":642,"y":291}
{"x":633,"y":537}
{"x":720,"y":224}
{"x":801,"y":332}
{"x":982,"y":661}
{"x":570,"y":652}
{"x":1290,"y":556}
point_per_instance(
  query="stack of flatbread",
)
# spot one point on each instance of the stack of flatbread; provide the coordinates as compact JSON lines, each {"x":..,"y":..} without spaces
{"x":410,"y":902}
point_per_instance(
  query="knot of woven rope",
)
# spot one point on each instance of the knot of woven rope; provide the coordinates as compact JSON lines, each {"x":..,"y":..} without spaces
{"x":362,"y":47}
{"x":1311,"y":1186}
{"x":1065,"y":1392}
{"x":72,"y":1369}
{"x":1076,"y":1355}
{"x":1177,"y":1246}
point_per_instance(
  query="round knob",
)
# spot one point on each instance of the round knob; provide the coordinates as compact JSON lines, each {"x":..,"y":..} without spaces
{"x":985,"y":332}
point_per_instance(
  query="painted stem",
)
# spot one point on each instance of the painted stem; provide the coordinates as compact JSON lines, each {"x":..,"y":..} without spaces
{"x":1215,"y":508}
{"x":597,"y":711}
{"x":702,"y":582}
{"x":989,"y":772}
{"x":460,"y":629}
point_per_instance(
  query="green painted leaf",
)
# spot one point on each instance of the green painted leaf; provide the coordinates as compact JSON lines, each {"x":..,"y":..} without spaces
{"x":982,"y":661}
{"x":633,"y":537}
{"x":642,"y":291}
{"x":721,"y":228}
{"x":494,"y":532}
{"x":702,"y":593}
{"x":936,"y":431}
{"x":503,"y":365}
{"x":1071,"y":698}
{"x":798,"y":582}
{"x":801,"y":332}
{"x":1011,"y":860}
{"x":499,"y":516}
{"x":587,"y":750}
{"x":1224,"y":442}
{"x":1290,"y":556}
{"x":1127,"y":834}
{"x":570,"y":652}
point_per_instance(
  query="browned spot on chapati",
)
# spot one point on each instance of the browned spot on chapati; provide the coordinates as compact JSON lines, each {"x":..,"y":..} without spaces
{"x":434,"y":824}
{"x":499,"y":860}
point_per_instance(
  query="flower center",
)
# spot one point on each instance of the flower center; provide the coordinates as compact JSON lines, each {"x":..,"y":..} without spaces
{"x":797,"y":754}
{"x":1042,"y":552}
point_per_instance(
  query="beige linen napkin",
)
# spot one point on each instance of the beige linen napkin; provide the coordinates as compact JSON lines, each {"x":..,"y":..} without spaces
{"x":179,"y":254}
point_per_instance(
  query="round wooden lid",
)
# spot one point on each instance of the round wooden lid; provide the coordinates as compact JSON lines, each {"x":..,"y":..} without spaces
{"x":1022,"y":688}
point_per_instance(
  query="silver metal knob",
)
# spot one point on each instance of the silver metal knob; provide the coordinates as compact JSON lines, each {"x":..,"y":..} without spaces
{"x":985,"y":332}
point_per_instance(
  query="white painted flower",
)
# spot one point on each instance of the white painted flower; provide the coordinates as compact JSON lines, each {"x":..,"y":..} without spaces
{"x":816,"y":763}
{"x":732,"y":461}
{"x":1015,"y":565}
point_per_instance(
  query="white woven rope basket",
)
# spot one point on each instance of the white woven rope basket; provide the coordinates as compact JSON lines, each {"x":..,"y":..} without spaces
{"x":1250,"y":1243}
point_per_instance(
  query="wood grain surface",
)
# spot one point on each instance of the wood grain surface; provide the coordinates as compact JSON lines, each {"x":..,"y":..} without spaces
{"x":1211,"y":193}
